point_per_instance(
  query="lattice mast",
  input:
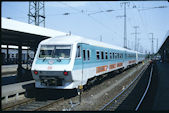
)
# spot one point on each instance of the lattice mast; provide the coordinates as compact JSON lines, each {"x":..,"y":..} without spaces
{"x":36,"y":13}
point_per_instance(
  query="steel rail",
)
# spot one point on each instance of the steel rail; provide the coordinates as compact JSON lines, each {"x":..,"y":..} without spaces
{"x":46,"y":106}
{"x":29,"y":101}
{"x":17,"y":104}
{"x":124,"y":89}
{"x":145,"y":90}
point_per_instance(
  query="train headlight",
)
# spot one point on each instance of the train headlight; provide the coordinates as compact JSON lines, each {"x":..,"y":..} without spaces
{"x":65,"y":73}
{"x":35,"y":72}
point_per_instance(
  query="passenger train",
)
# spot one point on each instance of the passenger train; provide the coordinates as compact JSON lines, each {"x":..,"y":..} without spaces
{"x":13,"y":56}
{"x":69,"y":61}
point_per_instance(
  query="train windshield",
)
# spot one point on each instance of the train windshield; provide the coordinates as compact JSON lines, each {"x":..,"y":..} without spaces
{"x":55,"y":51}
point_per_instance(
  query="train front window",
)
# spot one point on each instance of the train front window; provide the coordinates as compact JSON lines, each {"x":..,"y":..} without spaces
{"x":46,"y":51}
{"x":57,"y":51}
{"x":62,"y":51}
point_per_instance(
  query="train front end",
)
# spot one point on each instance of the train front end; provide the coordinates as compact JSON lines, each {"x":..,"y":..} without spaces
{"x":52,"y":66}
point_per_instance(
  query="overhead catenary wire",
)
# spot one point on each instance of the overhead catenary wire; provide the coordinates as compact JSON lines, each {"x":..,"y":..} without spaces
{"x":95,"y":20}
{"x":106,"y":11}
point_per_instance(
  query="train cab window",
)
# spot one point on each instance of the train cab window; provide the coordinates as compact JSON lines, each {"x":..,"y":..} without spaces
{"x":97,"y":55}
{"x":88,"y":54}
{"x":110,"y":55}
{"x":78,"y":54}
{"x":84,"y":55}
{"x":55,"y":51}
{"x":102,"y":55}
{"x":106,"y":55}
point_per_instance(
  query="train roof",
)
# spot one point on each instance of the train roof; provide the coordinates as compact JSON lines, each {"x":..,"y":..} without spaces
{"x":72,"y":39}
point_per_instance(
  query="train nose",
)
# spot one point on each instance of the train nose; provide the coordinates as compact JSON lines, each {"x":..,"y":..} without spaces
{"x":53,"y":78}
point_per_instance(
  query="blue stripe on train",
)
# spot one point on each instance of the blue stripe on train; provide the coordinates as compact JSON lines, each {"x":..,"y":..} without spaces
{"x":55,"y":62}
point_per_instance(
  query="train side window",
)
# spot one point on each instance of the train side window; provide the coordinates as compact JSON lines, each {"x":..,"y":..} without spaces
{"x":102,"y":55}
{"x":78,"y":54}
{"x":97,"y":55}
{"x":120,"y":55}
{"x":84,"y":55}
{"x":110,"y":55}
{"x":88,"y":54}
{"x":106,"y":55}
{"x":115,"y":54}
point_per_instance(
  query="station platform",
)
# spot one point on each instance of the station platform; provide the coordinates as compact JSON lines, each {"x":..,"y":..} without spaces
{"x":5,"y":69}
{"x":161,"y":101}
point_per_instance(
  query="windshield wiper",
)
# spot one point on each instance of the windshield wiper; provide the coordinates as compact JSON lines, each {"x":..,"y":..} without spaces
{"x":44,"y":59}
{"x":58,"y":59}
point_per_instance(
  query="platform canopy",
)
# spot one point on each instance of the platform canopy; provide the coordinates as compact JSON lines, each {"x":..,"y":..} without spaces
{"x":164,"y":49}
{"x":165,"y":44}
{"x":19,"y":33}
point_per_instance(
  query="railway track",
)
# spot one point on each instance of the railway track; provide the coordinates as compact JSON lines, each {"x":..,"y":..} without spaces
{"x":118,"y":99}
{"x":140,"y":102}
{"x":31,"y":105}
{"x":16,"y":104}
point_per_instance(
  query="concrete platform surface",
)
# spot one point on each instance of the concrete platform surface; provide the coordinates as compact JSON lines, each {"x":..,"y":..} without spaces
{"x":12,"y":89}
{"x":10,"y":68}
{"x":161,"y":101}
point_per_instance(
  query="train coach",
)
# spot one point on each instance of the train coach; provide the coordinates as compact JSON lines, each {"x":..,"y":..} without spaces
{"x":69,"y":61}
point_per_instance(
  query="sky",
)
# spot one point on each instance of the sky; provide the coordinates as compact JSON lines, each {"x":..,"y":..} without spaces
{"x":89,"y":19}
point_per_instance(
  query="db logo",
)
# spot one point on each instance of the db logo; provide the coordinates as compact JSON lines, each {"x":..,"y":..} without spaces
{"x":49,"y":67}
{"x":51,"y":62}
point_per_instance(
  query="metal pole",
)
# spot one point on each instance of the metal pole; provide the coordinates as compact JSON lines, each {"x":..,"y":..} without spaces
{"x":79,"y":90}
{"x":27,"y":58}
{"x":19,"y":70}
{"x":125,"y":25}
{"x":29,"y":13}
{"x":44,"y":12}
{"x":125,"y":37}
{"x":152,"y":46}
{"x":138,"y":44}
{"x":136,"y":37}
{"x":38,"y":12}
{"x":7,"y":53}
{"x":135,"y":46}
{"x":157,"y":44}
{"x":100,"y":38}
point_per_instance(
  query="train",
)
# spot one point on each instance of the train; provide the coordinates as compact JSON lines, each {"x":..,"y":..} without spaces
{"x":13,"y":56}
{"x":67,"y":62}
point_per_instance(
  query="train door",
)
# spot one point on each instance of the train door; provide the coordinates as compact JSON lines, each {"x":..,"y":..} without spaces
{"x":79,"y":62}
{"x":82,"y":58}
{"x":84,"y":64}
{"x":125,"y":60}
